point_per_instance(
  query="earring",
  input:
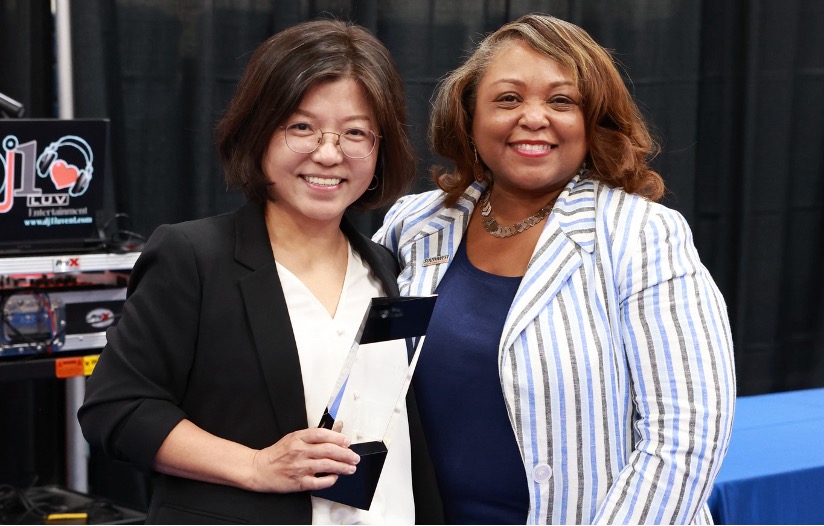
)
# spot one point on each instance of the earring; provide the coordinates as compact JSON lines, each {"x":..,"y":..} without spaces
{"x":375,"y":184}
{"x":477,"y":168}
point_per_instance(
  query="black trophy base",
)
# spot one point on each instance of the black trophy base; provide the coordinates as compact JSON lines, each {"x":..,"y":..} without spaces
{"x":357,"y":490}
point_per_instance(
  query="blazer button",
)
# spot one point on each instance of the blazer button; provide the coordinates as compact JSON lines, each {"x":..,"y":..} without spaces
{"x":541,"y":473}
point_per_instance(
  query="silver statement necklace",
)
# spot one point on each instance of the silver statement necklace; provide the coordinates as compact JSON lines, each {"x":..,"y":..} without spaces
{"x":497,"y":230}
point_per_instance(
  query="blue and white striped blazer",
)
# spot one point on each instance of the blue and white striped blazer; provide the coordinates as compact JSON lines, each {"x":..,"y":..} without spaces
{"x":615,"y":359}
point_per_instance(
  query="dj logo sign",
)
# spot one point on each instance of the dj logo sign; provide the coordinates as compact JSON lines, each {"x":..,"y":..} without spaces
{"x":70,"y":180}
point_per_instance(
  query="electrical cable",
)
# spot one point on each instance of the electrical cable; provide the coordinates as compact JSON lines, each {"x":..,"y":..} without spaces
{"x":121,"y":239}
{"x":34,"y":505}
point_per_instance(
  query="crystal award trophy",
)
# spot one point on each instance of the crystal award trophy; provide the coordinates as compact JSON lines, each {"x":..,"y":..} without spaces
{"x":375,"y":405}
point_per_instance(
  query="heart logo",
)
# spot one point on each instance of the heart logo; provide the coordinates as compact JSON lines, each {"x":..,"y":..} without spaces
{"x":64,"y":175}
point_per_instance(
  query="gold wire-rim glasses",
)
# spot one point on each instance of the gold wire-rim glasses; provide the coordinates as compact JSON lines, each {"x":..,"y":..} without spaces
{"x":307,"y":140}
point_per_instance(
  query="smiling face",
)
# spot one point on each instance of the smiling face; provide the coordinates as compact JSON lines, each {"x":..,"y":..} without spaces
{"x":317,"y":187}
{"x":528,"y":124}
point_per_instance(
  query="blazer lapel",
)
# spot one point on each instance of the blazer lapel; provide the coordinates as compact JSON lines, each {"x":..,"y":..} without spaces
{"x":269,"y":320}
{"x":433,"y":248}
{"x":379,"y":259}
{"x":568,"y":232}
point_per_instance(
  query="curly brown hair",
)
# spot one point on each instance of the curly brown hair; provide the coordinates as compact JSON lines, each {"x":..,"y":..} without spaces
{"x":619,"y":140}
{"x":282,"y":70}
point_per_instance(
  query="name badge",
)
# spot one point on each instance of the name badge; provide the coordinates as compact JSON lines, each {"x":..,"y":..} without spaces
{"x":437,"y":260}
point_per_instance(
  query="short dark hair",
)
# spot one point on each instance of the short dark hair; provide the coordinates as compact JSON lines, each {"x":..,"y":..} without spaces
{"x":279,"y":74}
{"x":618,"y":138}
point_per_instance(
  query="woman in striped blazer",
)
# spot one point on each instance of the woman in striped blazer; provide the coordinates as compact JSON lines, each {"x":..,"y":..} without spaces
{"x":578,"y":367}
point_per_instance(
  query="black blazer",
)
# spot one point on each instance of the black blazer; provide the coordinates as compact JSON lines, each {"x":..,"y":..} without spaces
{"x":206,"y":335}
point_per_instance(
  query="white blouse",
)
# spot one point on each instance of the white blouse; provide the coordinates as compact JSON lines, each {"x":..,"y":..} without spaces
{"x":371,"y":393}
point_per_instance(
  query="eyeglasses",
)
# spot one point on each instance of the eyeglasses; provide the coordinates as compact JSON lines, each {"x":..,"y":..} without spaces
{"x":355,"y":143}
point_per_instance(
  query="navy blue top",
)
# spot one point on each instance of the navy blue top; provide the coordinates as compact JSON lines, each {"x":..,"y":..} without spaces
{"x":479,"y":467}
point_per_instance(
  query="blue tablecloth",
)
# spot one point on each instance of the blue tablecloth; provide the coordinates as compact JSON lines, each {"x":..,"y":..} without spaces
{"x":774,"y":470}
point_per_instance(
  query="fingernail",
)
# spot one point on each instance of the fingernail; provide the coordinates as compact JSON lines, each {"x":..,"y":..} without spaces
{"x":350,"y":469}
{"x":356,"y":459}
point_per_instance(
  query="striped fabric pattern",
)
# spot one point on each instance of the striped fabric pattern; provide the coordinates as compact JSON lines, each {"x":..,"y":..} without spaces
{"x":616,"y":357}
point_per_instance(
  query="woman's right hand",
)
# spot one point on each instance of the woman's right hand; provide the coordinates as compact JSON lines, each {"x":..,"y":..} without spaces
{"x":294,"y":462}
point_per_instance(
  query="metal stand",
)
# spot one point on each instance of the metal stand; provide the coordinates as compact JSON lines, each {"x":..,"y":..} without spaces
{"x":76,"y":447}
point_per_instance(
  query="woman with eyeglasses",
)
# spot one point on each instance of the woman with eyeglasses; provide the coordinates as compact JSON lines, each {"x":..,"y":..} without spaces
{"x":236,"y":326}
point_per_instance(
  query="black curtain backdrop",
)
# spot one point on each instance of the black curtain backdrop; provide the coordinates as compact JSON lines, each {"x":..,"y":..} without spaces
{"x":733,"y":89}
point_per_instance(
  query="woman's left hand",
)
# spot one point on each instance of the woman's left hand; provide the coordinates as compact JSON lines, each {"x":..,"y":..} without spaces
{"x":306,"y":460}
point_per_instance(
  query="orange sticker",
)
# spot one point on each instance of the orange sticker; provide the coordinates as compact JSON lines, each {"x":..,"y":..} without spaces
{"x":68,"y":367}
